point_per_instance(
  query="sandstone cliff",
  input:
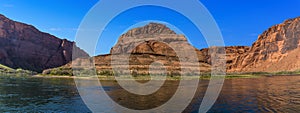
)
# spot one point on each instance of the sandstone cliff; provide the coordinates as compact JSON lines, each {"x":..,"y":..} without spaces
{"x":23,"y":46}
{"x":155,"y":43}
{"x":140,"y":48}
{"x":232,"y":52}
{"x":277,"y":49}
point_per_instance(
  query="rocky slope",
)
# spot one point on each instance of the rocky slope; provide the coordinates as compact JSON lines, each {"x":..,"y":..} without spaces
{"x":277,"y":49}
{"x":7,"y":71}
{"x":23,"y":46}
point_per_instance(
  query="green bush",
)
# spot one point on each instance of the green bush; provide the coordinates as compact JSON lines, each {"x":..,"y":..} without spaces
{"x":106,"y":72}
{"x":61,"y":71}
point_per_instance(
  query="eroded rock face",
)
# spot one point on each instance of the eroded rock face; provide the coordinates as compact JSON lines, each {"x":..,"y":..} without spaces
{"x":140,"y":48}
{"x":277,"y":49}
{"x":156,"y":43}
{"x":150,"y":29}
{"x":231,"y":54}
{"x":23,"y":46}
{"x":145,"y":40}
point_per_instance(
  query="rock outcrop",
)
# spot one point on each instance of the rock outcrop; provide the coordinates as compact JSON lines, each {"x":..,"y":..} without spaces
{"x":139,"y":50}
{"x":149,"y":39}
{"x":232,"y":53}
{"x":151,"y":44}
{"x":277,"y":49}
{"x":23,"y":46}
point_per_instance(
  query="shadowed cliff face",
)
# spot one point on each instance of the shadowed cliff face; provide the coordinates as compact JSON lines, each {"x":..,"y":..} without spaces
{"x":23,"y":46}
{"x":277,"y":49}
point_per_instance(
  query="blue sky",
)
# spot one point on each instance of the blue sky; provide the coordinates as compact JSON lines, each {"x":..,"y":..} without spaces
{"x":240,"y":21}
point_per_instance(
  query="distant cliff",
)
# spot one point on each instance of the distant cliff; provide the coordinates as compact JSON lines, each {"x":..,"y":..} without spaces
{"x":23,"y":46}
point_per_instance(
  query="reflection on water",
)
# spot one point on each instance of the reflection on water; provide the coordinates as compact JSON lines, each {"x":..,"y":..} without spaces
{"x":141,"y":102}
{"x":39,"y":95}
{"x":265,"y":94}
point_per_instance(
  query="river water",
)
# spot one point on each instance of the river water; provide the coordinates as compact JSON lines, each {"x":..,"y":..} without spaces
{"x":263,"y":94}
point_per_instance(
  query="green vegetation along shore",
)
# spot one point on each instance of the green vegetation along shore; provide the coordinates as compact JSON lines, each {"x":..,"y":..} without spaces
{"x":176,"y":77}
{"x":7,"y":71}
{"x":108,"y":75}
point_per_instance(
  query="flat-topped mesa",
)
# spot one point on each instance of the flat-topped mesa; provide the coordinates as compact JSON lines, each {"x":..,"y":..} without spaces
{"x":153,"y":38}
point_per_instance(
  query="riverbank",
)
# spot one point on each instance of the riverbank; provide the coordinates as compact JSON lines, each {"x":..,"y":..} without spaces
{"x":142,"y":77}
{"x":147,"y":78}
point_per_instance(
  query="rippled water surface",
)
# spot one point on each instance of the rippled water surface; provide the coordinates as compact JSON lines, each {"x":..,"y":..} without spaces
{"x":264,"y":94}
